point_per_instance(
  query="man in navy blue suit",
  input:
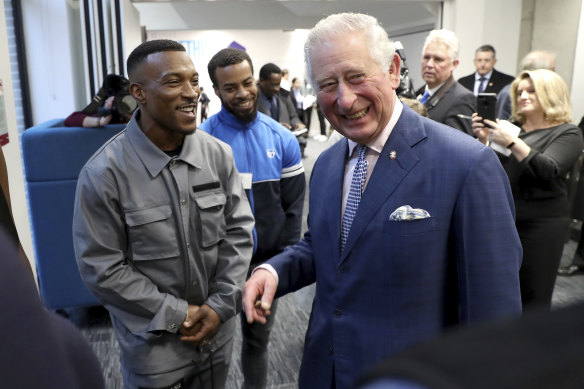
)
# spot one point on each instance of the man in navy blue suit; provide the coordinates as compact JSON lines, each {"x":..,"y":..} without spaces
{"x":426,"y":239}
{"x":486,"y":79}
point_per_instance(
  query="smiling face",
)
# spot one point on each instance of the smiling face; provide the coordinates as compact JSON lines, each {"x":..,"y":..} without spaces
{"x":167,"y":90}
{"x":527,"y":102}
{"x":237,"y":90}
{"x":484,"y":62}
{"x":354,"y":93}
{"x":437,"y":67}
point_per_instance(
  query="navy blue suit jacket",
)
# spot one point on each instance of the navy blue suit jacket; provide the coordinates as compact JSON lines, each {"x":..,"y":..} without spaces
{"x":401,"y":282}
{"x":497,"y":81}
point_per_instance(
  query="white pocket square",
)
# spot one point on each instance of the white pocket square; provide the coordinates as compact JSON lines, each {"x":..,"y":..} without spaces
{"x":406,"y":212}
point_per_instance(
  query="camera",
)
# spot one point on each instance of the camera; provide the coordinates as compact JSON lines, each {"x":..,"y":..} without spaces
{"x":406,"y":86}
{"x":123,"y":104}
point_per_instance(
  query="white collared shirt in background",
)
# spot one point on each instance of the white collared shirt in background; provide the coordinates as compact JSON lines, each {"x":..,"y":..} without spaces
{"x":478,"y":82}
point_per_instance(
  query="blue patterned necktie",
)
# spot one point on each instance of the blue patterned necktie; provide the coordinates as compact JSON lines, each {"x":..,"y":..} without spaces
{"x":482,"y":84}
{"x":425,"y":97}
{"x":357,"y":184}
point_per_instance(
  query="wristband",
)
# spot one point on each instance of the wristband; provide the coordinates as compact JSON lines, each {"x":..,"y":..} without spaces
{"x":511,"y":144}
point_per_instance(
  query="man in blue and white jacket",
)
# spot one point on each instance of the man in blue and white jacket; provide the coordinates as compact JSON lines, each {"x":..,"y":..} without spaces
{"x":269,"y":161}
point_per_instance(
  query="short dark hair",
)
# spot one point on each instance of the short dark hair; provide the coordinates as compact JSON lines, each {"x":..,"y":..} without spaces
{"x":485,"y":48}
{"x":140,"y":53}
{"x":226,"y":57}
{"x":268,"y":69}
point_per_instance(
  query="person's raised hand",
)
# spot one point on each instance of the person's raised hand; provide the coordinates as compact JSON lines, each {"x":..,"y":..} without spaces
{"x":479,"y":128}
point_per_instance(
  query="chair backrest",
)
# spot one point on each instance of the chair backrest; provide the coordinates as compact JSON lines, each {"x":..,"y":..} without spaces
{"x":52,"y":156}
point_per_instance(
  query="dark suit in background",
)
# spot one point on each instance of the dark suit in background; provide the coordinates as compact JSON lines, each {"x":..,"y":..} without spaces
{"x":497,"y":81}
{"x":287,"y":111}
{"x":542,"y":349}
{"x":451,"y":100}
{"x":38,"y":349}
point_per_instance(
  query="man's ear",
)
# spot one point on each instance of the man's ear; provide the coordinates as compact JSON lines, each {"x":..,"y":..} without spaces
{"x":138,"y":93}
{"x":394,"y":73}
{"x":216,"y":90}
{"x":455,"y":63}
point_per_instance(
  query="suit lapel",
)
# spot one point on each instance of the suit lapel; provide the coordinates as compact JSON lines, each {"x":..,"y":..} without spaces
{"x":389,"y":173}
{"x":331,"y":182}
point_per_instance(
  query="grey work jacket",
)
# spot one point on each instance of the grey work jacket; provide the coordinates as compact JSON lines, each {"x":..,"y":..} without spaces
{"x":153,"y":234}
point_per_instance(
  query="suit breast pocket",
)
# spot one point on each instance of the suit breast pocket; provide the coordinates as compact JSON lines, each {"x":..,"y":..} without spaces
{"x":151,"y":233}
{"x":211,"y":220}
{"x":410,"y":227}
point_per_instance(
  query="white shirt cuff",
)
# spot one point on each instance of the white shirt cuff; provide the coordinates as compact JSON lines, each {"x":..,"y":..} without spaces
{"x":269,"y":268}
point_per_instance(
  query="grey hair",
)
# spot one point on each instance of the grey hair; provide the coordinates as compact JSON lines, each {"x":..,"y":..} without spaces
{"x":445,"y":37}
{"x":380,"y":46}
{"x":539,"y":59}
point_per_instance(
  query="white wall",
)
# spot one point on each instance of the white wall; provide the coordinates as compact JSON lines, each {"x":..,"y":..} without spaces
{"x":479,"y":22}
{"x":49,"y":51}
{"x":12,"y":149}
{"x":556,"y":29}
{"x":578,"y":76}
{"x":131,"y":29}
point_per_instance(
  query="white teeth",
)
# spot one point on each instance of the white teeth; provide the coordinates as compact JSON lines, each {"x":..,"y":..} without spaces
{"x":244,"y":104}
{"x":358,"y":115}
{"x":185,"y":109}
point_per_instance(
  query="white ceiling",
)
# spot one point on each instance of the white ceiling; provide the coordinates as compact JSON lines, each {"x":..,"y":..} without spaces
{"x":397,"y":16}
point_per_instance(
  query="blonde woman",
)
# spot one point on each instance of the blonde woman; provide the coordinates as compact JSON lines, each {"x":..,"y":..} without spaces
{"x":543,"y":146}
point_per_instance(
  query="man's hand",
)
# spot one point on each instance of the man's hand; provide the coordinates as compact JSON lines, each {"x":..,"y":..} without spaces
{"x":201,"y":324}
{"x":262,"y":284}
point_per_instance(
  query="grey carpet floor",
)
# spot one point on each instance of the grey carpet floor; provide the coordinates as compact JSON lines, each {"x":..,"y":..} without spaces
{"x":287,"y":338}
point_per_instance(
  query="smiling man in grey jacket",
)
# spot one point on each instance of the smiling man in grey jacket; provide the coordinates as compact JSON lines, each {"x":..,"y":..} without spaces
{"x":163,"y":231}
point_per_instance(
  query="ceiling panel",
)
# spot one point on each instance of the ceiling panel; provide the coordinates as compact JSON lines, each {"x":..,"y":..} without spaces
{"x":398,"y":17}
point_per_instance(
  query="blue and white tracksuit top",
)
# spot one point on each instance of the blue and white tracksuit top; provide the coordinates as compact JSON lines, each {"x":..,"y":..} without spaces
{"x":270,"y":153}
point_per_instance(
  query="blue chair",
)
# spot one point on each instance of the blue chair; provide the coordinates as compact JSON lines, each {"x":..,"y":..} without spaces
{"x":52,"y":156}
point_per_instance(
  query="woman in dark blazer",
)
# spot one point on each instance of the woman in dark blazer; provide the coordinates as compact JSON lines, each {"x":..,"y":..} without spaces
{"x":543,"y":147}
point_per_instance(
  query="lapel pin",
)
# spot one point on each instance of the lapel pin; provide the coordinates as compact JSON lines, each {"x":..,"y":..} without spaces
{"x":392,"y":154}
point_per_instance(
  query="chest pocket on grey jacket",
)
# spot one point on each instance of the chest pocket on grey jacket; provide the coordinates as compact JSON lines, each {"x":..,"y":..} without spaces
{"x":211,"y":207}
{"x":151,"y":232}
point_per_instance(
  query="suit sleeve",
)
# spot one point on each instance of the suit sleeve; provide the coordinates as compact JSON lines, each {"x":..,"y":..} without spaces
{"x":557,"y":159}
{"x":487,"y":247}
{"x":294,"y":119}
{"x":503,"y":106}
{"x":465,"y":105}
{"x":292,"y":189}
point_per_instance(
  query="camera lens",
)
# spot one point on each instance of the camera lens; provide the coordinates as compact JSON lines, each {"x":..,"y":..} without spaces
{"x":125,"y":104}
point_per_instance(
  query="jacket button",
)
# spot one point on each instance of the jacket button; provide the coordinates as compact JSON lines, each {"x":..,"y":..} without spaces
{"x":338,"y":313}
{"x":330,"y":350}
